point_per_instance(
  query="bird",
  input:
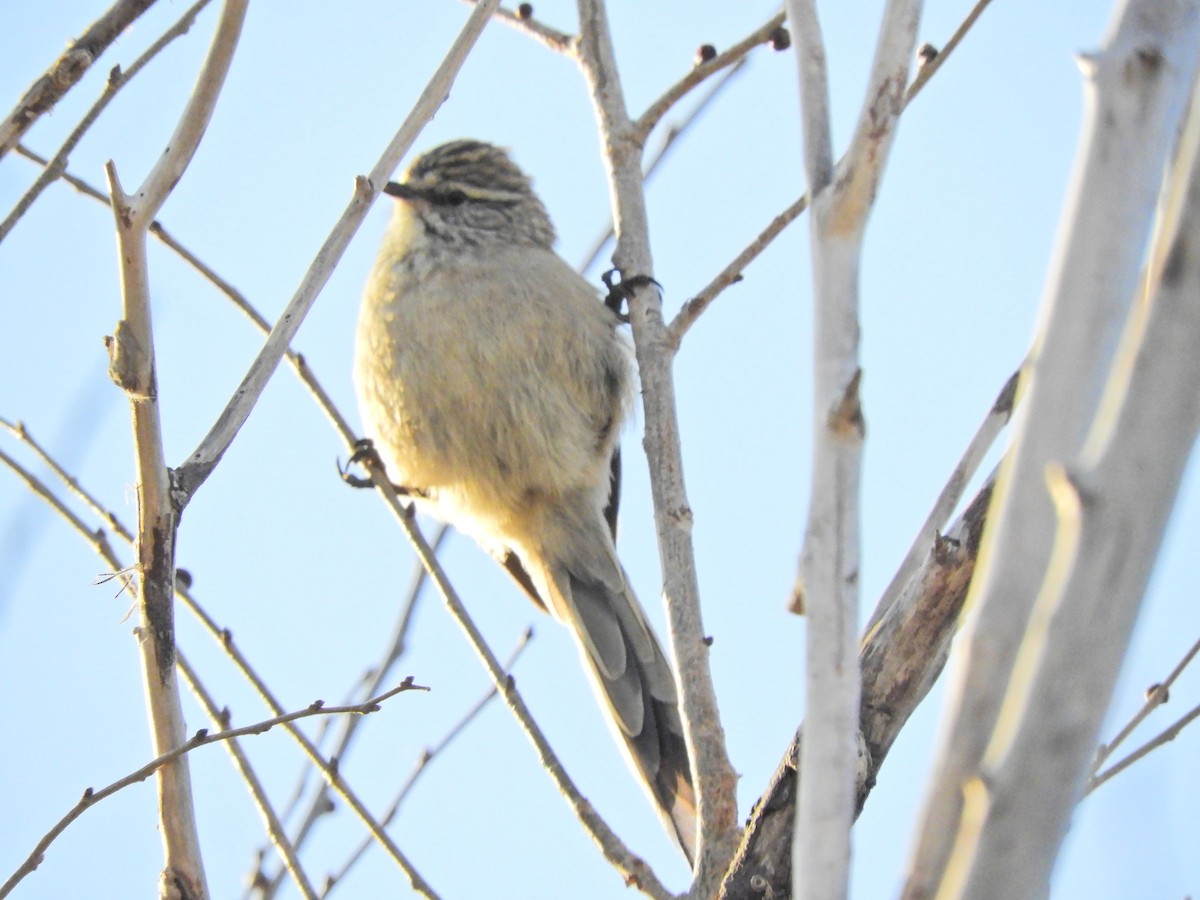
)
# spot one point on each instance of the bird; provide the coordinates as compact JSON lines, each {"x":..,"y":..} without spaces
{"x":492,"y":382}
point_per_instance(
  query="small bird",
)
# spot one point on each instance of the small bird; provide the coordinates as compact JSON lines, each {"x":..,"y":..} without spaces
{"x":493,"y":383}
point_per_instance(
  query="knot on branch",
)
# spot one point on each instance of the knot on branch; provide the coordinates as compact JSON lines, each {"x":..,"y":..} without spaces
{"x":69,"y":68}
{"x":846,"y":418}
{"x":129,"y":362}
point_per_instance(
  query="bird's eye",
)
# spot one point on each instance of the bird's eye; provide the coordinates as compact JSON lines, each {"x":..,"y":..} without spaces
{"x":453,"y":197}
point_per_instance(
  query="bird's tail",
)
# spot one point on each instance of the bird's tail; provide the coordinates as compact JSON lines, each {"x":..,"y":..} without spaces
{"x":577,"y":572}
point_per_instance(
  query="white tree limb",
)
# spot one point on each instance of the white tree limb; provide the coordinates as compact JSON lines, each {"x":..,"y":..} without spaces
{"x":827,"y":583}
{"x":132,"y":366}
{"x":1112,"y":509}
{"x":1136,"y":88}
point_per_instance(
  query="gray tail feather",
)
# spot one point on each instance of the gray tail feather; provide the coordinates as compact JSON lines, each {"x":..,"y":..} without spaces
{"x":570,"y":567}
{"x":632,"y":673}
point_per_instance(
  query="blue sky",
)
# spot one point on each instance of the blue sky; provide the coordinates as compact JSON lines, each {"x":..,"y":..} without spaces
{"x":309,"y":575}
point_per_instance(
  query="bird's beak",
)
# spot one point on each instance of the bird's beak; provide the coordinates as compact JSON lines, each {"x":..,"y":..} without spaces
{"x":401,"y":191}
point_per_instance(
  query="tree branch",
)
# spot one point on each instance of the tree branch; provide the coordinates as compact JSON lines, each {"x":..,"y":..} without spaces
{"x":672,"y":134}
{"x":117,"y":79}
{"x":715,"y":780}
{"x":901,"y":658}
{"x":1113,"y":502}
{"x":428,"y":755}
{"x":558,"y":41}
{"x":275,"y":831}
{"x":699,"y":73}
{"x":201,"y":738}
{"x":132,"y":366}
{"x":68,"y":69}
{"x":732,"y":273}
{"x":204,"y":459}
{"x":634,"y":869}
{"x":1093,"y":281}
{"x":1156,"y":696}
{"x":319,"y":803}
{"x":827,"y":581}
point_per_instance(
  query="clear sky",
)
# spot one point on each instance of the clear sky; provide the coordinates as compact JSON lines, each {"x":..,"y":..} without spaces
{"x":309,"y":575}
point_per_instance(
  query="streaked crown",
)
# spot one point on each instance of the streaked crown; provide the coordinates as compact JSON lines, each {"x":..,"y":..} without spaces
{"x":474,"y":195}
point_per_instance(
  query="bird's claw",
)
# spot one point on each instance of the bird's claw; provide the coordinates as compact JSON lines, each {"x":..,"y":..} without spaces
{"x":619,"y":291}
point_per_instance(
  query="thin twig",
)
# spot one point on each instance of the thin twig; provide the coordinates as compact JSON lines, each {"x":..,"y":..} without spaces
{"x":427,"y":756}
{"x":68,"y":69}
{"x":323,"y":764}
{"x":1156,"y":696}
{"x":275,"y":832}
{"x":1163,"y":738}
{"x":634,"y":869}
{"x":199,"y":739}
{"x":677,"y":130}
{"x":676,"y":92}
{"x":558,"y":41}
{"x":97,"y":538}
{"x":925,"y":72}
{"x":99,"y":542}
{"x":21,"y":433}
{"x":732,"y":273}
{"x":995,"y":421}
{"x":319,"y":803}
{"x":117,"y":79}
{"x":200,"y":464}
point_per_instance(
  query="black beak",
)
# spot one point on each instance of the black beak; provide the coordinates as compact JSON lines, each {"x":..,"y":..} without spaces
{"x":400,"y":190}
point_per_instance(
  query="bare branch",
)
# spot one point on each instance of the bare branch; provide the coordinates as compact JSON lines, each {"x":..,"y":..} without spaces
{"x":132,"y":367}
{"x":676,"y":131}
{"x":827,"y":581}
{"x":1156,"y":696}
{"x":319,"y":803}
{"x":275,"y":832}
{"x":558,"y":41}
{"x":428,"y":755}
{"x":117,"y":79}
{"x":1113,"y":504}
{"x":715,"y":780}
{"x":901,"y":658}
{"x":699,"y":73}
{"x":224,"y":638}
{"x":809,"y":46}
{"x":204,"y":459}
{"x":296,"y":359}
{"x":97,"y":539}
{"x":21,"y":433}
{"x":1165,"y":737}
{"x":928,"y":70}
{"x":201,"y":738}
{"x":1093,"y":282}
{"x":997,"y":418}
{"x":66,"y":71}
{"x":634,"y":869}
{"x":732,"y":273}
